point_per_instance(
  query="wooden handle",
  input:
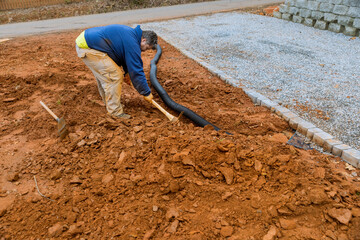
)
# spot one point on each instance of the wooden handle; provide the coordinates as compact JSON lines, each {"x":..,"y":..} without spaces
{"x":168,"y":115}
{"x":49,"y":111}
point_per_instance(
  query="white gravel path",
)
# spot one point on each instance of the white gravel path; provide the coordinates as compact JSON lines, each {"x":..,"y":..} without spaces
{"x":292,"y":64}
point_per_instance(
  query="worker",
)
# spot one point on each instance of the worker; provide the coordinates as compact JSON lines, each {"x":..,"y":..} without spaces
{"x":112,"y":51}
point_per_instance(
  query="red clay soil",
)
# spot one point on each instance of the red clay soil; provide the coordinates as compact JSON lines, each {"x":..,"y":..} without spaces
{"x":147,"y":178}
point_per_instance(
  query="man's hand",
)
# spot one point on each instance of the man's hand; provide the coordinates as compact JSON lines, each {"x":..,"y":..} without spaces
{"x":149,"y":97}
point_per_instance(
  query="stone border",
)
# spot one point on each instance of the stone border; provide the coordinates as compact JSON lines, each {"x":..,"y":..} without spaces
{"x":316,"y":135}
{"x":340,"y":16}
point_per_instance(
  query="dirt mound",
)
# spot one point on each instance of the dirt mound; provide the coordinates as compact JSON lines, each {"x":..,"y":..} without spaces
{"x":146,"y":178}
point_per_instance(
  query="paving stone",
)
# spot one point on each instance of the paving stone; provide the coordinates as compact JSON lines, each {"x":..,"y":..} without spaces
{"x":298,"y":19}
{"x":309,"y":22}
{"x":310,"y":132}
{"x":301,"y":3}
{"x":294,"y":122}
{"x":321,"y":25}
{"x":284,"y":8}
{"x":351,"y":156}
{"x":317,"y":15}
{"x":320,"y":137}
{"x":253,"y":96}
{"x":279,"y":110}
{"x":335,"y":1}
{"x":338,"y":149}
{"x":326,"y":7}
{"x":340,"y":9}
{"x":345,"y":20}
{"x":305,"y":13}
{"x":294,"y":10}
{"x":286,"y":16}
{"x":330,"y":17}
{"x":313,"y":5}
{"x":269,"y":104}
{"x":260,"y":99}
{"x":356,"y":23}
{"x":353,"y":3}
{"x":350,"y":31}
{"x":288,"y":115}
{"x":329,"y":143}
{"x":292,"y":2}
{"x":354,"y":12}
{"x":277,"y":14}
{"x":303,"y":127}
{"x":334,"y":27}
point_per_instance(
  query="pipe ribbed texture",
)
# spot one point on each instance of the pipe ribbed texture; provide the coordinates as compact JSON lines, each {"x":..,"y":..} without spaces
{"x":168,"y":101}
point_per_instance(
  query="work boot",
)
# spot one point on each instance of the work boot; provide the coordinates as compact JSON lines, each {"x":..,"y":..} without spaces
{"x":124,"y":116}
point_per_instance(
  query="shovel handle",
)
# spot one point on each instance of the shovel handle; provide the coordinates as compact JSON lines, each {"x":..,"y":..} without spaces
{"x":49,"y":111}
{"x":168,"y":115}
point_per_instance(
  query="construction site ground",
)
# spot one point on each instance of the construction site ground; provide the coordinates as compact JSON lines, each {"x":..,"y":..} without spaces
{"x":147,"y":178}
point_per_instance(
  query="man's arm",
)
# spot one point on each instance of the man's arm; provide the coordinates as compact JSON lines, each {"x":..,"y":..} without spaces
{"x":135,"y":68}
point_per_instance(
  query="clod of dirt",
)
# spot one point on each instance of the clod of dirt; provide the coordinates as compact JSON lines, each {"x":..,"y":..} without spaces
{"x":107,"y":178}
{"x":343,"y":215}
{"x":7,"y":100}
{"x":318,"y":196}
{"x":228,"y":174}
{"x":226,"y":231}
{"x":149,"y":234}
{"x":3,"y":212}
{"x":272,"y":211}
{"x":258,"y":165}
{"x":355,"y":212}
{"x":81,"y":143}
{"x":155,"y":208}
{"x":225,"y":146}
{"x":13,"y":177}
{"x":74,"y":230}
{"x":137,"y":129}
{"x":271,"y":234}
{"x":284,"y":211}
{"x":56,"y":230}
{"x":173,"y":226}
{"x":171,"y":213}
{"x":187,"y":161}
{"x":226,"y":195}
{"x":75,"y":180}
{"x":120,"y":161}
{"x":56,"y":175}
{"x":330,"y":234}
{"x":174,"y":186}
{"x":287,"y":224}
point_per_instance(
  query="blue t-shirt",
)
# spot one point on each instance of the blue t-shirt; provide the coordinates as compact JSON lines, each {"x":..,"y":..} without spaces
{"x":122,"y":44}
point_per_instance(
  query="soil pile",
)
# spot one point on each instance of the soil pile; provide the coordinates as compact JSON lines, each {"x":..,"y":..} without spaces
{"x":146,"y":178}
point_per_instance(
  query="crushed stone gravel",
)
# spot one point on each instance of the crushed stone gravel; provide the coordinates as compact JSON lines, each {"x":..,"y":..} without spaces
{"x":312,"y":72}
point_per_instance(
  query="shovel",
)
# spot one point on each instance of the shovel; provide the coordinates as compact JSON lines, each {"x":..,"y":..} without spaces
{"x":62,"y":131}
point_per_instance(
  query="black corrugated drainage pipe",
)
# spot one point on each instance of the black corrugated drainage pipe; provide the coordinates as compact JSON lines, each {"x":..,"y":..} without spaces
{"x":168,"y":101}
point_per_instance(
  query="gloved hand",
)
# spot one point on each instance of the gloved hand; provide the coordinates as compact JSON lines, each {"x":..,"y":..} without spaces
{"x":149,"y":97}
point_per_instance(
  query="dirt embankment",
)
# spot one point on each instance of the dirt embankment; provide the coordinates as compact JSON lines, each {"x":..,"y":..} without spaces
{"x":146,"y":178}
{"x":82,"y":8}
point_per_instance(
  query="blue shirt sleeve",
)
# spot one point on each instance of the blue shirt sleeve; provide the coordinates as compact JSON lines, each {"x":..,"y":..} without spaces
{"x":135,"y":68}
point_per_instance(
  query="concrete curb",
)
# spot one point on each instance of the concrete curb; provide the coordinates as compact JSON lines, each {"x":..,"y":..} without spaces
{"x":316,"y":135}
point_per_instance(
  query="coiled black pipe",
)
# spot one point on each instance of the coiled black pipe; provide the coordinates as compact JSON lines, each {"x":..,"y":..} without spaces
{"x":167,"y":100}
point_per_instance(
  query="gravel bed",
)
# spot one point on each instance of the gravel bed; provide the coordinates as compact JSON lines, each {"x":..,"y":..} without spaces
{"x":312,"y":72}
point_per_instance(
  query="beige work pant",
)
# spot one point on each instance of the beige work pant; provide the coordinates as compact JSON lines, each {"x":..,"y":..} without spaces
{"x":109,"y":77}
